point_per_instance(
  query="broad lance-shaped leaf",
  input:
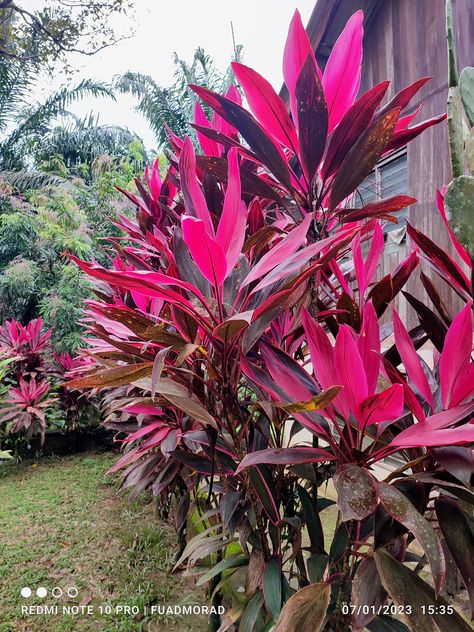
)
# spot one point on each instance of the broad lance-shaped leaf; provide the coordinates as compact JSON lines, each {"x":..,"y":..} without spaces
{"x":456,"y":356}
{"x":357,"y":492}
{"x":381,"y":407}
{"x":261,"y":479}
{"x":272,"y":585}
{"x":305,"y":611}
{"x":368,"y":594}
{"x":341,"y":78}
{"x":459,"y":537}
{"x":434,"y":430}
{"x":312,"y":117}
{"x":297,"y":48}
{"x":231,"y":230}
{"x":276,"y":255}
{"x":205,"y":250}
{"x":354,"y":122}
{"x":410,"y":359}
{"x":428,"y":611}
{"x":288,"y":373}
{"x":194,"y":199}
{"x":208,"y":145}
{"x":349,"y":371}
{"x":266,"y":150}
{"x":363,"y":157}
{"x":285,"y":456}
{"x":268,"y":107}
{"x":400,"y":508}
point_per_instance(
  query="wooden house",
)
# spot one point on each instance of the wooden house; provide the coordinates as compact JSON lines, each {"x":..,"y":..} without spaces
{"x":403,"y":41}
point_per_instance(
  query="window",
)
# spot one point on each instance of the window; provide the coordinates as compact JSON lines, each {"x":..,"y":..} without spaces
{"x":387,"y":179}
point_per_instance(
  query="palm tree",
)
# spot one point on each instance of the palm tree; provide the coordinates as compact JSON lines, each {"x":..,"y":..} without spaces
{"x":74,"y":147}
{"x":173,"y":106}
{"x":23,"y":122}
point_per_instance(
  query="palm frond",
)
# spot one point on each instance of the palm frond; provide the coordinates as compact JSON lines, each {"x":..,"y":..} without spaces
{"x":28,"y":180}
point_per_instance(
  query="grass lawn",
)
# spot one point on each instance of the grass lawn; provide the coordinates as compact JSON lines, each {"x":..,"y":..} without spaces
{"x":63,"y":524}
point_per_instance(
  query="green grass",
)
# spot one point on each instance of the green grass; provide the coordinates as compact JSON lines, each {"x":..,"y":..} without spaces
{"x":62,"y":523}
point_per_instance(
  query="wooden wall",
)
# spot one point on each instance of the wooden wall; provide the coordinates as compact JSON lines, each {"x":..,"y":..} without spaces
{"x":405,"y":40}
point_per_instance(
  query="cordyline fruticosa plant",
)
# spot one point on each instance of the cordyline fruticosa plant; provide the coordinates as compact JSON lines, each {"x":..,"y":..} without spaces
{"x":237,"y":332}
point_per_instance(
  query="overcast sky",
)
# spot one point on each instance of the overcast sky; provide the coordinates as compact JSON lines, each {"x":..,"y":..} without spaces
{"x":163,"y":27}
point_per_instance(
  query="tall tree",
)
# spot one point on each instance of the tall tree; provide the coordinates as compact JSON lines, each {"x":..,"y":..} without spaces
{"x":173,"y":106}
{"x":54,"y":29}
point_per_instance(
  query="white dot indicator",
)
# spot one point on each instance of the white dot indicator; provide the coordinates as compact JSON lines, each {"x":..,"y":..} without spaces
{"x":57,"y":592}
{"x":25,"y":592}
{"x":72,"y":592}
{"x":41,"y":592}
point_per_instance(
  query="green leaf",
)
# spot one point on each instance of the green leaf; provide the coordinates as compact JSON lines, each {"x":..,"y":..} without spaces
{"x":459,"y":202}
{"x":406,"y":588}
{"x":252,"y":619}
{"x":233,"y":561}
{"x":272,"y":586}
{"x":400,"y":508}
{"x":317,"y":565}
{"x":313,"y":521}
{"x":466,"y":88}
{"x":305,"y":611}
{"x":384,"y":623}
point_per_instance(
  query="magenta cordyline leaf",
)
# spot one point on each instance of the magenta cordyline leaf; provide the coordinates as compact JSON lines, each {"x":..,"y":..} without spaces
{"x":285,"y":456}
{"x":320,"y":349}
{"x":369,"y":345}
{"x":232,"y":224}
{"x":294,"y":262}
{"x":268,"y":107}
{"x":404,"y":136}
{"x":206,"y":251}
{"x":434,"y":430}
{"x":410,"y":359}
{"x":381,"y":407}
{"x":209,"y":146}
{"x":143,"y":431}
{"x":375,"y":252}
{"x":141,"y":409}
{"x":350,"y":371}
{"x":288,"y":374}
{"x":220,"y":124}
{"x":297,"y":48}
{"x":276,"y":255}
{"x":404,"y":121}
{"x":194,"y":199}
{"x":153,"y":178}
{"x":341,"y":78}
{"x":456,"y":357}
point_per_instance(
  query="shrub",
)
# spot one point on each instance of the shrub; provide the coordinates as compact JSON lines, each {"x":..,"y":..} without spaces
{"x":237,"y":336}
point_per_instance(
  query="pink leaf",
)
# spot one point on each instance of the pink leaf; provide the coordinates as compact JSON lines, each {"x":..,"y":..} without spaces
{"x":194,"y":199}
{"x":375,"y":252}
{"x":320,"y":349}
{"x":410,"y":359}
{"x":369,"y":345}
{"x":209,"y":146}
{"x":268,"y":107}
{"x":456,"y":353}
{"x":297,"y":48}
{"x":144,"y":430}
{"x":381,"y":407}
{"x":350,"y":371}
{"x":205,"y":250}
{"x":231,"y":231}
{"x":287,"y":246}
{"x":341,"y":78}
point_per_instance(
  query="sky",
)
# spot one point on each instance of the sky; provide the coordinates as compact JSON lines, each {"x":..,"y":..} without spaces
{"x":163,"y":27}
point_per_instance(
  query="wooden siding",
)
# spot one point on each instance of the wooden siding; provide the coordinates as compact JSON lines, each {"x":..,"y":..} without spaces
{"x":405,"y":40}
